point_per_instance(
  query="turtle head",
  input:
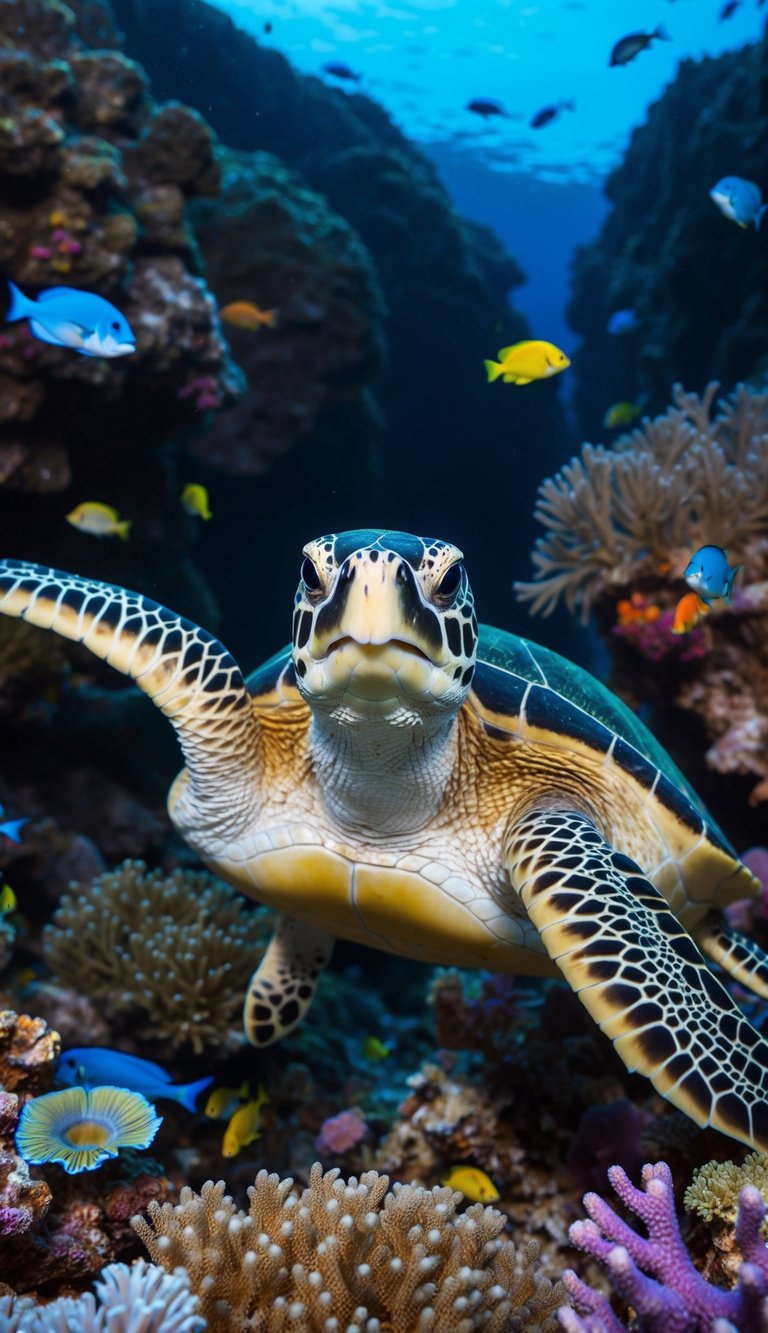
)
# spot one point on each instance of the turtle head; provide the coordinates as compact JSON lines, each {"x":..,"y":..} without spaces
{"x":384,"y":625}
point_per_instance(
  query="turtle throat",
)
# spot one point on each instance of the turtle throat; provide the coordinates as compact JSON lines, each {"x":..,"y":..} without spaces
{"x":387,"y":776}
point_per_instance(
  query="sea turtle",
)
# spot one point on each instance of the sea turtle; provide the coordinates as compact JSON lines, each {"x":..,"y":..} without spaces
{"x":460,"y":796}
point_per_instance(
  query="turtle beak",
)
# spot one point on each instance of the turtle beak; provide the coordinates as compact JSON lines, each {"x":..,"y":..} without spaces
{"x":376,"y":604}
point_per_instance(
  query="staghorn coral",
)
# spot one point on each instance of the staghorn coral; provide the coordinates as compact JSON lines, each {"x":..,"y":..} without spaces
{"x":349,"y":1255}
{"x":675,"y":482}
{"x":677,"y":1298}
{"x":140,"y":1299}
{"x":175,"y":951}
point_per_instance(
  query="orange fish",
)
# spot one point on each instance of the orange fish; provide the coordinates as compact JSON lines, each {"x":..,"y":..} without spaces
{"x":247,"y":315}
{"x":688,"y":612}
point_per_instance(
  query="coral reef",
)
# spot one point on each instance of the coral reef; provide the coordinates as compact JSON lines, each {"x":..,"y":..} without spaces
{"x":346,"y":1251}
{"x":676,"y":1298}
{"x":328,"y":301}
{"x":28,"y":1050}
{"x":23,"y":1201}
{"x":664,"y":249}
{"x":716,"y":1186}
{"x":173,"y":952}
{"x":140,"y":1299}
{"x":622,"y":523}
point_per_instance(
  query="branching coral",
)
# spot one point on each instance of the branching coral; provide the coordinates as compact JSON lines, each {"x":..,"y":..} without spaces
{"x":677,"y":1298}
{"x":680,"y":480}
{"x":346,"y":1255}
{"x":141,"y":1299}
{"x":177,"y":950}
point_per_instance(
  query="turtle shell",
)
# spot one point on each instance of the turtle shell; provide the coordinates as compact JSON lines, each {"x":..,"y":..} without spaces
{"x":563,"y":698}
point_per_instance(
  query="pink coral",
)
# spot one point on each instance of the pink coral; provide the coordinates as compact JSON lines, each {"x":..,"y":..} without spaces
{"x":341,"y":1132}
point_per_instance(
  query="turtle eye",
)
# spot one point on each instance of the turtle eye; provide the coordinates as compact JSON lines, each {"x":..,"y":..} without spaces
{"x":450,"y":582}
{"x":309,"y":576}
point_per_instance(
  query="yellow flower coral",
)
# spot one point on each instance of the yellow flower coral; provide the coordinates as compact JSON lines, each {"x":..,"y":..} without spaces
{"x":81,"y":1128}
{"x":715,"y":1188}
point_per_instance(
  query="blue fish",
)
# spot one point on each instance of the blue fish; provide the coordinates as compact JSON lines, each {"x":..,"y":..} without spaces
{"x":710,"y":575}
{"x":67,"y":317}
{"x":93,"y":1066}
{"x":12,"y":827}
{"x":622,"y":321}
{"x":739,"y":200}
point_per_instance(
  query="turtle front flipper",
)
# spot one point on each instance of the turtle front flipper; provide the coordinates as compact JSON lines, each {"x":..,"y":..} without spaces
{"x":738,"y":955}
{"x":639,"y":973}
{"x":283,"y":986}
{"x":185,"y":671}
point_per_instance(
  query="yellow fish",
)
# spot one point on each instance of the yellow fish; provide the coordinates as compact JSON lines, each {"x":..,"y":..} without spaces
{"x":526,"y":361}
{"x":7,"y":900}
{"x":375,"y":1050}
{"x":244,"y":1126}
{"x":621,"y":414}
{"x":223,"y":1102}
{"x":194,"y":499}
{"x":247,"y":315}
{"x":474,"y":1184}
{"x":99,"y":520}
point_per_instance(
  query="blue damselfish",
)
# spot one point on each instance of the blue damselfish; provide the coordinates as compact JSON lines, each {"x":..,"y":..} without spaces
{"x":91,"y":1066}
{"x":66,"y":317}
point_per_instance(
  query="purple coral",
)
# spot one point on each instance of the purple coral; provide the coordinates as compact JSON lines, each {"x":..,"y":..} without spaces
{"x":681,"y":1301}
{"x":341,"y":1132}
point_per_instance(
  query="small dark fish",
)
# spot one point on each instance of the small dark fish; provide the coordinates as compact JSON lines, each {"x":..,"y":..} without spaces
{"x":630,"y":46}
{"x":486,"y":106}
{"x":729,"y":9}
{"x":549,"y":113}
{"x":341,"y":71}
{"x":267,"y":28}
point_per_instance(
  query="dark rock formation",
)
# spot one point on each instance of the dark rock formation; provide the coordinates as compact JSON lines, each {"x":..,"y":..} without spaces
{"x":452,"y":447}
{"x":694,"y":277}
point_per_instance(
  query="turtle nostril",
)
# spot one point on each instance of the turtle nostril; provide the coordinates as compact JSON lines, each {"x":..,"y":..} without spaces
{"x":402,"y":574}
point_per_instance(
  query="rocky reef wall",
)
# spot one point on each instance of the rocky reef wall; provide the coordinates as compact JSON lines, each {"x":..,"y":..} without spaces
{"x":694,"y":278}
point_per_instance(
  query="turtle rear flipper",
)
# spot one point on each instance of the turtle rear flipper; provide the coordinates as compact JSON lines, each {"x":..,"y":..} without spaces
{"x":185,"y":671}
{"x":283,"y":986}
{"x":639,"y":973}
{"x":738,"y":955}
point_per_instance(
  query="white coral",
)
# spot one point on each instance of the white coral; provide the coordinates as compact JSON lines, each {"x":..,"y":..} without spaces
{"x":141,"y":1299}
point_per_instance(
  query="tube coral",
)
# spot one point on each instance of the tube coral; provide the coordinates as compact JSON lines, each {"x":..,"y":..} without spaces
{"x":177,"y":950}
{"x":349,"y":1253}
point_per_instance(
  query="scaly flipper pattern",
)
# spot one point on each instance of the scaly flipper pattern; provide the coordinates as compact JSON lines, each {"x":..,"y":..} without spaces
{"x":283,"y":986}
{"x":185,"y":671}
{"x":738,"y":955}
{"x":639,"y":973}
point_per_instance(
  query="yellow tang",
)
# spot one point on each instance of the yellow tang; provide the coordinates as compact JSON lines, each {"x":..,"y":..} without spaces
{"x":223,"y":1102}
{"x":526,"y":361}
{"x":374,"y":1049}
{"x":194,"y":499}
{"x":99,"y":520}
{"x":7,"y":900}
{"x":621,"y":414}
{"x":473,"y":1183}
{"x":244,"y":1126}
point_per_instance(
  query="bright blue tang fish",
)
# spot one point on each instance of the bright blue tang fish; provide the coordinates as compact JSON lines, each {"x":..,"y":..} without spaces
{"x":710,"y":575}
{"x":93,"y":1066}
{"x":12,"y":828}
{"x":740,"y":200}
{"x":67,"y":317}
